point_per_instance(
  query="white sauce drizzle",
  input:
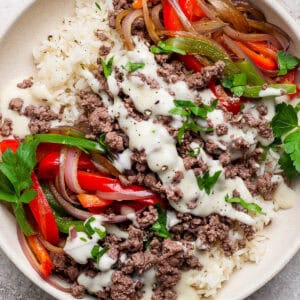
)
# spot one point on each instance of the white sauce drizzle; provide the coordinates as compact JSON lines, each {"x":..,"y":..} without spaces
{"x":123,"y":162}
{"x":270,"y":92}
{"x":106,"y":262}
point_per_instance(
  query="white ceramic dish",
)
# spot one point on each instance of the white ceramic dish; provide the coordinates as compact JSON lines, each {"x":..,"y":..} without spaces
{"x":31,"y":26}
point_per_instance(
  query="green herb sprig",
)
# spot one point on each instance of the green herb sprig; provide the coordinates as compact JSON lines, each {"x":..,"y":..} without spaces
{"x":207,"y":182}
{"x":164,"y":48}
{"x":244,"y":204}
{"x":286,"y":62}
{"x":107,"y":67}
{"x":160,"y":226}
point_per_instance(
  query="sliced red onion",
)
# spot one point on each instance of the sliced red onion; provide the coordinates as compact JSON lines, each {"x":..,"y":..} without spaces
{"x":127,"y":27}
{"x":115,"y":219}
{"x":71,"y":167}
{"x":34,"y":263}
{"x":148,"y":22}
{"x":123,"y":196}
{"x":184,"y":20}
{"x":61,"y":176}
{"x":49,"y":246}
{"x":73,"y":211}
{"x":155,"y":16}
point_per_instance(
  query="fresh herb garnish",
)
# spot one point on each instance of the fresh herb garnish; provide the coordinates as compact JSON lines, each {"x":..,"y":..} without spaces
{"x":98,"y":5}
{"x":83,"y":239}
{"x":207,"y":182}
{"x":188,"y":109}
{"x":285,"y":122}
{"x":101,"y":233}
{"x":132,"y":67}
{"x":164,"y":48}
{"x":285,"y":119}
{"x":191,"y":125}
{"x":107,"y":67}
{"x":244,"y":204}
{"x":15,"y":176}
{"x":97,"y":252}
{"x":160,"y":226}
{"x":195,"y":152}
{"x":88,"y":227}
{"x":286,"y":62}
{"x":236,"y":83}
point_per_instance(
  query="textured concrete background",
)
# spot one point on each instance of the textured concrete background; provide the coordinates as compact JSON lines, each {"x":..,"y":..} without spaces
{"x":14,"y":285}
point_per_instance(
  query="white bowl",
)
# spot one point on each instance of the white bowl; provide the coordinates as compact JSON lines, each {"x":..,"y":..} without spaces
{"x":33,"y":26}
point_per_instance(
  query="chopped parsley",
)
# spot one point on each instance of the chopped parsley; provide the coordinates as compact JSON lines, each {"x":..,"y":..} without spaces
{"x":207,"y":182}
{"x":286,"y":62}
{"x":98,"y":5}
{"x":164,"y":48}
{"x":83,"y":239}
{"x":285,"y":126}
{"x":160,"y":226}
{"x":97,"y":252}
{"x":107,"y":67}
{"x":195,"y":152}
{"x":92,"y":230}
{"x":244,"y":204}
{"x":188,"y":109}
{"x":236,"y":83}
{"x":132,"y":67}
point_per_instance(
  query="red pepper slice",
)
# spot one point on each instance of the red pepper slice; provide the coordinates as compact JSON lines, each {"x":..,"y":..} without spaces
{"x":49,"y":165}
{"x":262,"y":61}
{"x":42,"y":255}
{"x":191,"y":9}
{"x":222,"y":96}
{"x":9,"y":144}
{"x":43,"y":214}
{"x":93,"y":201}
{"x":173,"y":23}
{"x":46,"y":148}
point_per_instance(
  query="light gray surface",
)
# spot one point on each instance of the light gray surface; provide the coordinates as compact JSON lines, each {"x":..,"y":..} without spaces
{"x":14,"y":285}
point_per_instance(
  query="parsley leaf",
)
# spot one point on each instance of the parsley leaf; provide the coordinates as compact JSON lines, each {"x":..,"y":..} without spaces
{"x":107,"y":67}
{"x":207,"y":182}
{"x":132,"y":67}
{"x":164,"y":48}
{"x":160,"y":226}
{"x":98,"y":5}
{"x":287,"y":166}
{"x":244,"y":204}
{"x":286,"y":62}
{"x":236,"y":83}
{"x":285,"y":119}
{"x":97,"y":252}
{"x":292,"y":147}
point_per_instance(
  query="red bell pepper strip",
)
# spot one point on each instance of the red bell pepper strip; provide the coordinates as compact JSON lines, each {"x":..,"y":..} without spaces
{"x":173,"y":23}
{"x":49,"y":165}
{"x":137,"y":4}
{"x":44,"y":149}
{"x":9,"y":144}
{"x":290,"y":78}
{"x":43,"y":214}
{"x":95,"y":182}
{"x":191,"y":9}
{"x":263,"y":48}
{"x":92,"y":201}
{"x":264,"y":62}
{"x":221,"y":95}
{"x":41,"y":255}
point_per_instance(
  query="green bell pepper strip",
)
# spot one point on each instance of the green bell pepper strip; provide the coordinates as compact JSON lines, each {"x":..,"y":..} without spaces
{"x":62,"y":224}
{"x":254,"y":91}
{"x":205,"y":47}
{"x":253,"y":77}
{"x":81,"y":143}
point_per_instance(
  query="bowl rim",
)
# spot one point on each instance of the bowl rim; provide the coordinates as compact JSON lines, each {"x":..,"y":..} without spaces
{"x":294,"y":28}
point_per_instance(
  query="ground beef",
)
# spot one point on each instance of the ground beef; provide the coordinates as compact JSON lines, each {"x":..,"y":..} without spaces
{"x":172,"y":71}
{"x":114,"y":141}
{"x":244,"y":169}
{"x":6,"y":126}
{"x":262,"y":109}
{"x":164,"y":294}
{"x":265,"y":130}
{"x":134,"y":243}
{"x":104,"y":50}
{"x":211,"y":147}
{"x":123,"y":287}
{"x":132,"y":112}
{"x":200,"y":80}
{"x":167,"y":276}
{"x":77,"y":291}
{"x":265,"y":186}
{"x":139,"y":262}
{"x":178,"y":176}
{"x":100,"y":121}
{"x":25,"y":84}
{"x":101,"y":36}
{"x":198,"y":165}
{"x":147,"y":217}
{"x":153,"y":84}
{"x":16,"y":104}
{"x":224,"y":158}
{"x":174,"y":193}
{"x":89,"y":101}
{"x":221,"y":129}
